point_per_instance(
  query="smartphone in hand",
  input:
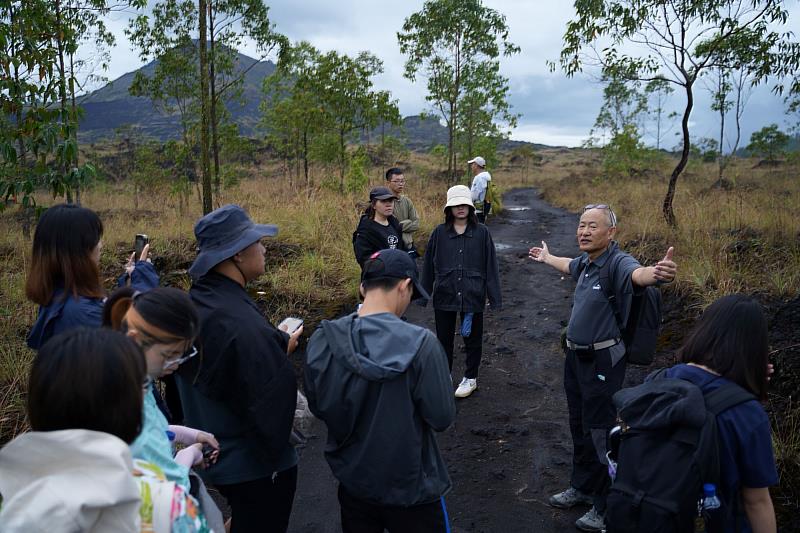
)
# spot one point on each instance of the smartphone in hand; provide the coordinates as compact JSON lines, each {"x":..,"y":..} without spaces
{"x":291,"y":323}
{"x":138,"y":245}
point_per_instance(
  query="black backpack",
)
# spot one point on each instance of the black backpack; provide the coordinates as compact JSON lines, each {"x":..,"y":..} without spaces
{"x":640,"y":333}
{"x":667,"y":450}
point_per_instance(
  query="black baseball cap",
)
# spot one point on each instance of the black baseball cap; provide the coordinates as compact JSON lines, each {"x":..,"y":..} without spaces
{"x":381,"y":193}
{"x":394,"y":264}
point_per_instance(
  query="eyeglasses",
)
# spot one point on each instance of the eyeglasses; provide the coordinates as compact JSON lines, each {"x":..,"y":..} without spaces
{"x":179,"y":361}
{"x":611,"y":215}
{"x":398,"y":182}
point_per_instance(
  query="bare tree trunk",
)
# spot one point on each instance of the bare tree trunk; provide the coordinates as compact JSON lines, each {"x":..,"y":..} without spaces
{"x":62,"y":91}
{"x":202,"y":10}
{"x":669,"y":213}
{"x":305,"y":158}
{"x":213,"y":83}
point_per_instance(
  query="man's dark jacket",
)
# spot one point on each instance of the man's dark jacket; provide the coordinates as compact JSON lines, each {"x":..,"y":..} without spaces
{"x":461,"y":271}
{"x":242,"y":387}
{"x":369,"y":238}
{"x":382,"y":386}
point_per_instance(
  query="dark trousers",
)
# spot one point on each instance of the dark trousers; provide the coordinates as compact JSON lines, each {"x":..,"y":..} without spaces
{"x":590,"y":381}
{"x":446,"y":331}
{"x":262,"y":505}
{"x":359,"y":516}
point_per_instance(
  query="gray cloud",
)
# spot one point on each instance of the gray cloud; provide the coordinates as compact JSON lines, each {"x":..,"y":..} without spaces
{"x":555,"y":110}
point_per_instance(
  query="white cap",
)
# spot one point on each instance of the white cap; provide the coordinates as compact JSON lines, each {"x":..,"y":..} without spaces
{"x":459,"y":195}
{"x":481,"y":162}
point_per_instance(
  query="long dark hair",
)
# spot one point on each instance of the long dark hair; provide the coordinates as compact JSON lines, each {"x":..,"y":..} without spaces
{"x":731,"y":339}
{"x":63,"y":243}
{"x":166,"y":309}
{"x":369,"y":212}
{"x":449,"y":218}
{"x":88,"y":379}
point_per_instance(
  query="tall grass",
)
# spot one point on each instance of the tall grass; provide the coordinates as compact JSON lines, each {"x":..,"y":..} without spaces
{"x":311,"y":269}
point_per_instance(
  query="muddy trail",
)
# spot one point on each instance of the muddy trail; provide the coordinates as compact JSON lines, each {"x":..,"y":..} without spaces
{"x":509,"y":448}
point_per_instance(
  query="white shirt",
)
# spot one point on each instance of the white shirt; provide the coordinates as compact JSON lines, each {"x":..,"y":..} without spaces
{"x":479,"y":184}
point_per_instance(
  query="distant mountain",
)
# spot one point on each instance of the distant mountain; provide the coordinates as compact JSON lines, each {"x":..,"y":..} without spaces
{"x":112,"y":106}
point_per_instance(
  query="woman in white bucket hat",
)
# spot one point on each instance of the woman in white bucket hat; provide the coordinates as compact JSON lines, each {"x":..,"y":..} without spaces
{"x":460,"y":273}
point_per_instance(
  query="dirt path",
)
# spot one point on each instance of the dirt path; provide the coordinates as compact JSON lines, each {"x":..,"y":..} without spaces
{"x":509,"y":448}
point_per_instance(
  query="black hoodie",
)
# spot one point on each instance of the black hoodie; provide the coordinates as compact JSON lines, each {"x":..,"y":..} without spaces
{"x":382,"y":386}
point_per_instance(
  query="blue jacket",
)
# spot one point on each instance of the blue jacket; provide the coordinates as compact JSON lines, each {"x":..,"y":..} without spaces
{"x":65,"y":312}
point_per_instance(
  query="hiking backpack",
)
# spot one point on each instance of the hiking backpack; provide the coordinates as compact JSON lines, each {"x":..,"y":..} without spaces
{"x":668,"y":449}
{"x":640,"y":333}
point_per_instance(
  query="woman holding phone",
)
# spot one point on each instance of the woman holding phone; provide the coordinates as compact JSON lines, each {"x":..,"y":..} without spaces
{"x":164,"y":324}
{"x":64,"y":276}
{"x":74,"y":471}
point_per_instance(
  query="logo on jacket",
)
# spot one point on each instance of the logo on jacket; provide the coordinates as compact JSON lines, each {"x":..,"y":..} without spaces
{"x":393,"y":240}
{"x":596,"y":286}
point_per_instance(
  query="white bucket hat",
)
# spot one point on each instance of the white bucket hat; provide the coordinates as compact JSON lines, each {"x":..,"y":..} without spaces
{"x":459,"y":195}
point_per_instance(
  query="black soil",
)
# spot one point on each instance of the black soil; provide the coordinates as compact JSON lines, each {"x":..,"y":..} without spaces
{"x":509,"y":448}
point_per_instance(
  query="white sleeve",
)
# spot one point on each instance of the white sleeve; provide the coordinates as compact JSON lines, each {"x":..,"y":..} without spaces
{"x":478,"y":188}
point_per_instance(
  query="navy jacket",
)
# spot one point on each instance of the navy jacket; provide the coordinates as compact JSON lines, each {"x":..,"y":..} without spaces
{"x":382,"y":386}
{"x":461,"y":271}
{"x":65,"y":312}
{"x":242,"y":388}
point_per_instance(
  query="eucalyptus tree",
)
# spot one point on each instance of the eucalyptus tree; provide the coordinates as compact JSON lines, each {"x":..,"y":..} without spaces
{"x":448,"y":42}
{"x":680,"y":41}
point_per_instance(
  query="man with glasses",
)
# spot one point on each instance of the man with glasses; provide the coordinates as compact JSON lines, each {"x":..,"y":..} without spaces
{"x":403,"y":208}
{"x":595,"y":353}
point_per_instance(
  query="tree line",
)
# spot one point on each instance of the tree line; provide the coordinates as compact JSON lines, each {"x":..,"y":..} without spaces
{"x":316,"y":103}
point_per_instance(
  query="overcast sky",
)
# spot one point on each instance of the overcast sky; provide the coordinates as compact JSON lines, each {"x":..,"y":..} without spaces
{"x":555,"y":110}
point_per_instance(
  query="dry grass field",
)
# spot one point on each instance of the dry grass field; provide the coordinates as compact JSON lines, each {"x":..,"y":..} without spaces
{"x":741,"y":238}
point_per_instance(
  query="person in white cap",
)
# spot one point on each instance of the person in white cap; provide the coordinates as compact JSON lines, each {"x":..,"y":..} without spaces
{"x":460,"y":273}
{"x":480,"y":187}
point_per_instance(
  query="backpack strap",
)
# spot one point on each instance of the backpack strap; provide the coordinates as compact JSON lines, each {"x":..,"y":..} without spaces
{"x":727,"y":396}
{"x":608,"y":289}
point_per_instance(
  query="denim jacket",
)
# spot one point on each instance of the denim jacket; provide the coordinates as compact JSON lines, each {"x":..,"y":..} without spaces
{"x":65,"y":313}
{"x":461,"y":271}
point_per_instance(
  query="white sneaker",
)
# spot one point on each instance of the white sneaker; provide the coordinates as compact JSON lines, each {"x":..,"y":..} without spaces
{"x":591,"y":521}
{"x":466,"y":387}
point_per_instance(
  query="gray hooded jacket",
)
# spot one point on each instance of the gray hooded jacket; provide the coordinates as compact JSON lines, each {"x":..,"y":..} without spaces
{"x":382,"y":386}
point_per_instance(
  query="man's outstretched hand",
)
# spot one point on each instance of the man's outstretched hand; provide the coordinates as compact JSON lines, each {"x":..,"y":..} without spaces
{"x":539,"y":254}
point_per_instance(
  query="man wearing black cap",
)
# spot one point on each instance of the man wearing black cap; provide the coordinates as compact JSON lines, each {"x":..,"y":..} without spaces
{"x":378,"y":228}
{"x":382,"y":386}
{"x":242,"y":388}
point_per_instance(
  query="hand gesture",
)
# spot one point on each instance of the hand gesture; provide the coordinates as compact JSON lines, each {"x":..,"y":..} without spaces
{"x":664,"y":271}
{"x":539,"y":254}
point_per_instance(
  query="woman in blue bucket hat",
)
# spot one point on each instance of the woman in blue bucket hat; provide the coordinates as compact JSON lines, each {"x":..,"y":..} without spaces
{"x":242,"y":389}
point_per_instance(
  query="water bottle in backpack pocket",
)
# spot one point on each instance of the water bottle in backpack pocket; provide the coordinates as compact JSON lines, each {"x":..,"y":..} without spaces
{"x":667,"y":452}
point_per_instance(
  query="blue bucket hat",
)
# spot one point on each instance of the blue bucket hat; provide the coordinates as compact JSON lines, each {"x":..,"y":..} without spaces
{"x":223,"y":233}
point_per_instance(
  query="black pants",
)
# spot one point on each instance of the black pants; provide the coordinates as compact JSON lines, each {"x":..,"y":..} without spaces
{"x":262,"y":505}
{"x":446,"y":331}
{"x":359,"y":516}
{"x":591,"y":415}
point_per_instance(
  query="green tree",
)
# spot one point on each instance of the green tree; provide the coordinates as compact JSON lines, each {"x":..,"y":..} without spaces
{"x":349,"y":101}
{"x":769,"y":142}
{"x":448,"y":42}
{"x":292,"y":111}
{"x":623,"y":106}
{"x":219,"y":28}
{"x":659,"y":90}
{"x":679,"y":41}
